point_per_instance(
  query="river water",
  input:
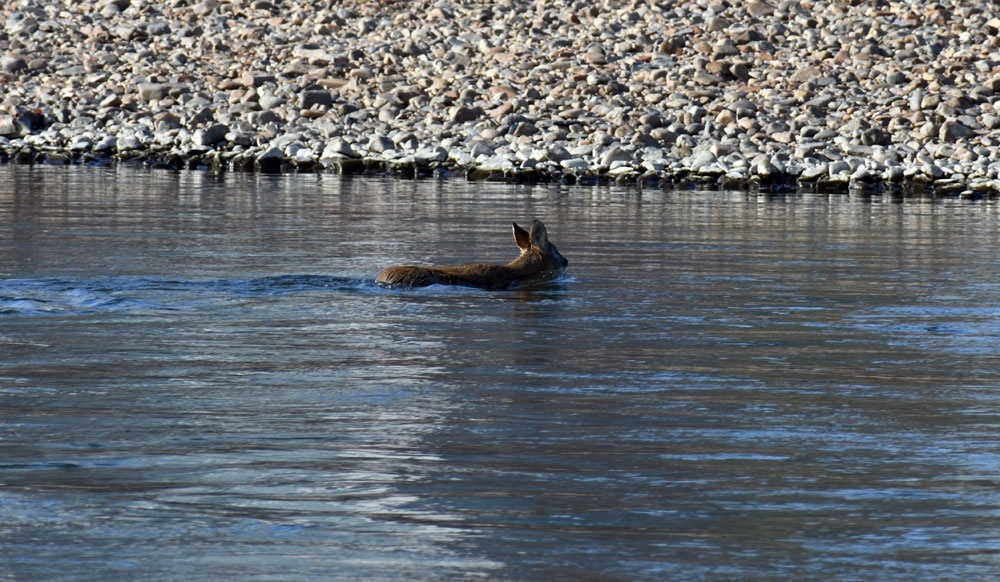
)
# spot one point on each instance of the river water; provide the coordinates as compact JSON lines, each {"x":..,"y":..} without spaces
{"x":199,"y":380}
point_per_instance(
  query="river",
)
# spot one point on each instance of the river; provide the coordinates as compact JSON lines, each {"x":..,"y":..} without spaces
{"x":200,"y":380}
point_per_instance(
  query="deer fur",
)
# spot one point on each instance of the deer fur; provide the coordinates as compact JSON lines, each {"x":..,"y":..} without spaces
{"x":539,"y":261}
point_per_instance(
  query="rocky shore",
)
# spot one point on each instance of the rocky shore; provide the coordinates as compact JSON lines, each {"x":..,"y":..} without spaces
{"x":749,"y":93}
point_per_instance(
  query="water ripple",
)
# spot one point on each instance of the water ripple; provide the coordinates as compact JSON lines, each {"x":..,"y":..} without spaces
{"x":55,"y":296}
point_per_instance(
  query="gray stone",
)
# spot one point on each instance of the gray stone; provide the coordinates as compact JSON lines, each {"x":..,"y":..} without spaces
{"x":22,"y":24}
{"x":616,"y":154}
{"x":807,"y":73}
{"x":952,"y":131}
{"x":240,"y":138}
{"x":167,"y":121}
{"x":256,"y":79}
{"x":315,"y":97}
{"x":270,"y":101}
{"x":273,"y":153}
{"x":388,"y":114}
{"x":897,"y":78}
{"x":725,"y":47}
{"x":266,"y":118}
{"x":211,"y":135}
{"x":8,"y":127}
{"x":814,"y":172}
{"x":929,"y":130}
{"x":128,"y":142}
{"x":557,"y":153}
{"x":481,"y":148}
{"x":81,"y":144}
{"x":430,"y":154}
{"x":341,"y":147}
{"x":154,"y":91}
{"x":575,"y":165}
{"x":933,"y":171}
{"x":406,"y":140}
{"x":839,"y":167}
{"x":313,"y":53}
{"x":13,"y":64}
{"x":110,"y":11}
{"x":157,"y":29}
{"x":871,"y":136}
{"x":126,"y":32}
{"x":524,"y":129}
{"x":304,"y":155}
{"x":379,"y":144}
{"x":700,"y":160}
{"x":107,"y":143}
{"x":205,"y":7}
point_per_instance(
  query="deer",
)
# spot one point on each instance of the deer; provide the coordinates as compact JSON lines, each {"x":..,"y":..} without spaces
{"x":538,"y":262}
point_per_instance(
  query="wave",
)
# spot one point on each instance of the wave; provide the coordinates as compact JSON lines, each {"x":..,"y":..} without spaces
{"x":62,"y":296}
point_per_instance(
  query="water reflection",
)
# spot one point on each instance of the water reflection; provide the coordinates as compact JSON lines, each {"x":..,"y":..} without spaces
{"x":200,"y":380}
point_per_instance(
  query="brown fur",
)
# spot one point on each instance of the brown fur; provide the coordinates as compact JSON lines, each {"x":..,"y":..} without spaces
{"x":539,"y":261}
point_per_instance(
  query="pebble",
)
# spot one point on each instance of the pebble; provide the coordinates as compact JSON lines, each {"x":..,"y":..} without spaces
{"x":427,"y":155}
{"x":154,"y":91}
{"x":777,"y":92}
{"x":481,"y":148}
{"x":312,"y":98}
{"x":211,"y":135}
{"x":13,"y":64}
{"x":616,"y":155}
{"x":575,"y":165}
{"x":339,"y":147}
{"x":379,"y":144}
{"x":701,"y":160}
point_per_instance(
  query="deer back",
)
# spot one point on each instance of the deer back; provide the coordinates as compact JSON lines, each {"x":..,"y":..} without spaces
{"x":539,"y":261}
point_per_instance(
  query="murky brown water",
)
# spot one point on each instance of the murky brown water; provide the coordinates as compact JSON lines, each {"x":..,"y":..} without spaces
{"x":199,"y":381}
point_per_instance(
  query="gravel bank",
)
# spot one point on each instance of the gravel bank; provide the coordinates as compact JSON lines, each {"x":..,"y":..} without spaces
{"x":840,"y":93}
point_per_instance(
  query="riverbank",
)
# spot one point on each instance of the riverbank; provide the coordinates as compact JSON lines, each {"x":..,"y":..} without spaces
{"x":790,"y":93}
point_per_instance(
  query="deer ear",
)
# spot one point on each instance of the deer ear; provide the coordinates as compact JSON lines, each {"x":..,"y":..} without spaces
{"x":539,"y":237}
{"x":521,"y":237}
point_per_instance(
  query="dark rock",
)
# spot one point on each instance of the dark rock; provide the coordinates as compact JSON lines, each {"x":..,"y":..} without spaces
{"x":463,"y":114}
{"x":256,"y":79}
{"x":13,"y":64}
{"x":874,"y":136}
{"x":314,"y":97}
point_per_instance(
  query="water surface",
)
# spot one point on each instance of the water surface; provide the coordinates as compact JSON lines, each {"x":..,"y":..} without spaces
{"x":199,"y":380}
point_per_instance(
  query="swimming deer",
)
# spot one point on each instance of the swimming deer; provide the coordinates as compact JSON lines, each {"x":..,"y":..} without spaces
{"x":539,"y":261}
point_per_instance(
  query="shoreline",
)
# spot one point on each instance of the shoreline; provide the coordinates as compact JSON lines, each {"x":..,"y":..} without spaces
{"x":408,"y":168}
{"x":771,"y":95}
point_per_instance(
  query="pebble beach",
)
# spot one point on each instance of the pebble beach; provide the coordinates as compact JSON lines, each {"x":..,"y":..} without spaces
{"x":720,"y":93}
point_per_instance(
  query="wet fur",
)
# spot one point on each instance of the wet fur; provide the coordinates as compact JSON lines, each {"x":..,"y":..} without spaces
{"x":539,"y":261}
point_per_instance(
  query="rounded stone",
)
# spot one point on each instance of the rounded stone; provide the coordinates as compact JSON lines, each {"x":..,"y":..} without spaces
{"x":13,"y":64}
{"x":211,"y":135}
